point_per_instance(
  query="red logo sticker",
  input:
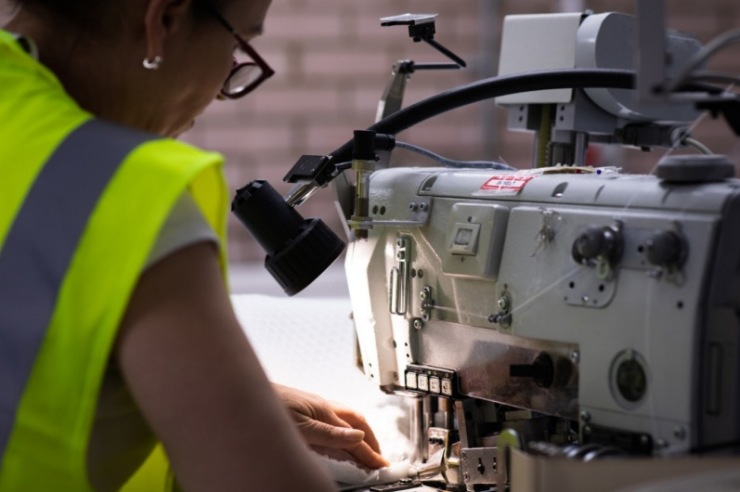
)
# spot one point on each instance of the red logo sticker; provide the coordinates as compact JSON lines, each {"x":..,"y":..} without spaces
{"x":506,"y":183}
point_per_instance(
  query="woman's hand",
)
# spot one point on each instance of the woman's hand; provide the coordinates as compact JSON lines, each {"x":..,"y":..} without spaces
{"x":332,"y":429}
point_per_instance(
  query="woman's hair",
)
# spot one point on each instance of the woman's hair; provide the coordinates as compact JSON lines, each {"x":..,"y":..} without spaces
{"x":91,"y":15}
{"x":71,"y":10}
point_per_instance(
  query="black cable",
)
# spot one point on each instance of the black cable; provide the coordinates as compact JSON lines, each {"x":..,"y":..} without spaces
{"x":703,"y":55}
{"x":714,"y":77}
{"x":490,"y":88}
{"x":453,"y":163}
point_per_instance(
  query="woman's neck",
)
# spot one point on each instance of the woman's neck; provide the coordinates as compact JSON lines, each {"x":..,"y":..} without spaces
{"x":83,"y":67}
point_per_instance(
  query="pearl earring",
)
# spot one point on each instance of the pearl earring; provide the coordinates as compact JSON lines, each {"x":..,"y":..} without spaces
{"x":152,"y":64}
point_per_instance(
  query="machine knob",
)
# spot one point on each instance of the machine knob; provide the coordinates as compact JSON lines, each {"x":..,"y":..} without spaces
{"x":695,"y":168}
{"x":666,"y":248}
{"x":598,"y":243}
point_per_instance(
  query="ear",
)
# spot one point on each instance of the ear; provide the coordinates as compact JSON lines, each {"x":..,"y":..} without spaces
{"x":161,"y":19}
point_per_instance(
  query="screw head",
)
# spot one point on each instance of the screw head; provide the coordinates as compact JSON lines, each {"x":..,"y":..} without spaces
{"x":585,"y":416}
{"x":679,"y":433}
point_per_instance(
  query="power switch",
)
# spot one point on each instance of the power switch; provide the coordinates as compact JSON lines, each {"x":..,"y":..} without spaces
{"x":464,"y":239}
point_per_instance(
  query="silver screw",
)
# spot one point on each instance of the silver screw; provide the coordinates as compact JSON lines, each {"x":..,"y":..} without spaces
{"x":418,"y":324}
{"x":680,"y":433}
{"x":585,"y":416}
{"x":575,"y":356}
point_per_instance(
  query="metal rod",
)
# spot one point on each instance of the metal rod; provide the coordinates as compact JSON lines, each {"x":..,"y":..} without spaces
{"x":581,"y":147}
{"x":651,"y":49}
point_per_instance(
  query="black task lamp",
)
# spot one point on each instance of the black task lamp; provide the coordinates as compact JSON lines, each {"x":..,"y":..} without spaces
{"x":298,"y":250}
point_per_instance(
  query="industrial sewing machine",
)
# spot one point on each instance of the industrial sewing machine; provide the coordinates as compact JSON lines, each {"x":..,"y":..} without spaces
{"x":541,"y":318}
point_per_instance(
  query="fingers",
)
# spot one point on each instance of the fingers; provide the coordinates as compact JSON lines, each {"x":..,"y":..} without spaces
{"x":341,"y":416}
{"x":333,"y":426}
{"x":361,"y":455}
{"x":357,"y":421}
{"x":367,"y":457}
{"x":319,"y":433}
{"x":353,"y":441}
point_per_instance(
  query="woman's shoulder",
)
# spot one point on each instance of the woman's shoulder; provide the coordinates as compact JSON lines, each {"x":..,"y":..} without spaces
{"x":168,"y":150}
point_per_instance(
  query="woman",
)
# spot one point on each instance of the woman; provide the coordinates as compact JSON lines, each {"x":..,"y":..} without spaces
{"x":116,"y":330}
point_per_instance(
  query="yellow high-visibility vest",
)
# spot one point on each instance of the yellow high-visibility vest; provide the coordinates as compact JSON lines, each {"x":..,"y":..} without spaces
{"x":82,"y":203}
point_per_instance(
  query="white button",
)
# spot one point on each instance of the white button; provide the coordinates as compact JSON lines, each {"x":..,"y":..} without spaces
{"x":411,"y":380}
{"x":434,"y":384}
{"x":446,"y":387}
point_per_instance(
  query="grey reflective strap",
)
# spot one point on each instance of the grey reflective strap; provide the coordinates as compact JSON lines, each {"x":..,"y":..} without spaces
{"x":40,"y":245}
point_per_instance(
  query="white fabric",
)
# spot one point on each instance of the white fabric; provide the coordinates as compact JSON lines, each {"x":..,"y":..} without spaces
{"x":308,"y":343}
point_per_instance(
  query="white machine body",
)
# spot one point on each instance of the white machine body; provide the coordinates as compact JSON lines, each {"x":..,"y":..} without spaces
{"x":466,"y":274}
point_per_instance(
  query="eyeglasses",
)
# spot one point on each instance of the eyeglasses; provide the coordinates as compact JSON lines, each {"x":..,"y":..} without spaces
{"x":245,"y":76}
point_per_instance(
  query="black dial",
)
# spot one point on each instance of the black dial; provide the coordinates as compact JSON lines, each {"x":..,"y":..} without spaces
{"x":598,"y":243}
{"x":665,"y":248}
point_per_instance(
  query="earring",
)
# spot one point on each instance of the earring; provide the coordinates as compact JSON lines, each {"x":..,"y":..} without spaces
{"x":152,"y":64}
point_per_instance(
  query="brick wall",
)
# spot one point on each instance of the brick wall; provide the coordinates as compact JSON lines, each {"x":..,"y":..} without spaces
{"x":333,"y":59}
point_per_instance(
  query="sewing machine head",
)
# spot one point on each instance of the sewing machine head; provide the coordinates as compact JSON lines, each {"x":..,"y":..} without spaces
{"x":562,"y":305}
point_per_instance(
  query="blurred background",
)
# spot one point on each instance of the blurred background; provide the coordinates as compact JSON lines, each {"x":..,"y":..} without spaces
{"x":332,"y":61}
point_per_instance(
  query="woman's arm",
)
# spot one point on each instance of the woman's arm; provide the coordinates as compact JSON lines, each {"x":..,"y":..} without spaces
{"x":198,"y":382}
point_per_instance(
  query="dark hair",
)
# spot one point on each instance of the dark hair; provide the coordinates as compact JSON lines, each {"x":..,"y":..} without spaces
{"x":63,"y":8}
{"x":84,"y":14}
{"x":90,"y":15}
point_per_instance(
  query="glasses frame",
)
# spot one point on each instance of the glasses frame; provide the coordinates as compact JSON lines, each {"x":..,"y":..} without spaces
{"x":257,"y":61}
